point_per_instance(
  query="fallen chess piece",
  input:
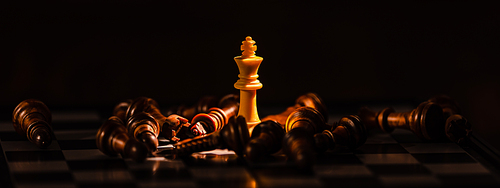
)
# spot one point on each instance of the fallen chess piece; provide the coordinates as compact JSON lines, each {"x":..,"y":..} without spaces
{"x":31,"y":119}
{"x":298,"y":142}
{"x":348,"y":132}
{"x":143,"y":127}
{"x":216,"y":118}
{"x":201,"y":106}
{"x":426,"y":121}
{"x":112,"y":139}
{"x":457,"y":128}
{"x":266,"y":139}
{"x":234,"y":136}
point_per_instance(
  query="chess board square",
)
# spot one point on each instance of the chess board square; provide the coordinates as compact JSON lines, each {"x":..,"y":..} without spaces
{"x":7,"y":126}
{"x":355,"y":181}
{"x":419,"y":180}
{"x":218,"y":173}
{"x":448,"y":147}
{"x":86,"y":154}
{"x":277,"y":172}
{"x":457,"y":168}
{"x":109,"y":164}
{"x":103,"y":176}
{"x":79,"y":134}
{"x":334,"y":158}
{"x":398,"y":169}
{"x":380,"y":148}
{"x":27,"y":146}
{"x":469,"y":180}
{"x":342,"y":170}
{"x":161,"y":174}
{"x":26,"y":156}
{"x":443,"y":158}
{"x":43,"y":177}
{"x":394,"y":158}
{"x":38,"y":166}
{"x":378,"y":137}
{"x":405,"y":136}
{"x":11,"y":136}
{"x":77,"y":144}
{"x":299,"y":181}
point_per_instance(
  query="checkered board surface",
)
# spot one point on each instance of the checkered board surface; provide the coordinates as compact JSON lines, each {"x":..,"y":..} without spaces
{"x":398,"y":159}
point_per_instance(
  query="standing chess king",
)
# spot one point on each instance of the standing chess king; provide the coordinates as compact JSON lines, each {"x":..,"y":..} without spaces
{"x":248,"y":64}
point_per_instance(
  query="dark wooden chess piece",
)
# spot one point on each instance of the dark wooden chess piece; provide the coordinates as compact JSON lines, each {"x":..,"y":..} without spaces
{"x":457,"y":128}
{"x":31,"y":119}
{"x":298,"y":143}
{"x":216,"y":118}
{"x":233,"y":136}
{"x":120,"y":109}
{"x":426,"y":121}
{"x":266,"y":139}
{"x":143,"y":127}
{"x":201,"y":106}
{"x":348,"y":132}
{"x":309,"y":99}
{"x":112,"y":139}
{"x":168,"y":126}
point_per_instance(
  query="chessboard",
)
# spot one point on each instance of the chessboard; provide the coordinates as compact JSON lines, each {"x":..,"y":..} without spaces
{"x":397,"y":159}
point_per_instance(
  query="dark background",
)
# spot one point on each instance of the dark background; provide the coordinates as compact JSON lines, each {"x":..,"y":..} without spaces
{"x":88,"y":54}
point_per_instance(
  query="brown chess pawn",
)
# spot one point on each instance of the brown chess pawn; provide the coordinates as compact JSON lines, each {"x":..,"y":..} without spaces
{"x":298,"y":143}
{"x":120,"y":109}
{"x":144,"y":127}
{"x":168,"y":126}
{"x":233,"y":136}
{"x":31,"y":119}
{"x":457,"y":128}
{"x":266,"y":139}
{"x":349,"y":132}
{"x":112,"y":139}
{"x":216,"y":118}
{"x":426,"y":121}
{"x":201,"y":106}
{"x":309,"y":99}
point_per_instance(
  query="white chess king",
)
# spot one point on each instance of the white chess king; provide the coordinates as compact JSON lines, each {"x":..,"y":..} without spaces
{"x":248,"y":64}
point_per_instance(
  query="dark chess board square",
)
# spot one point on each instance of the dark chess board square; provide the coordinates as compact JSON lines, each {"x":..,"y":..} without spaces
{"x":380,"y":148}
{"x":111,"y":164}
{"x":284,"y":171}
{"x":77,"y":144}
{"x":469,"y":180}
{"x":161,"y":174}
{"x":351,"y":182}
{"x":11,"y":136}
{"x":25,"y":156}
{"x":333,"y":158}
{"x":443,"y":158}
{"x":44,"y":177}
{"x":398,"y":169}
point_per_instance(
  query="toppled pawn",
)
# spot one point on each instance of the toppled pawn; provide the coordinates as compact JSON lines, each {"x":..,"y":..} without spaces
{"x":233,"y":136}
{"x":112,"y":139}
{"x":298,"y":143}
{"x":457,"y":128}
{"x":169,"y":126}
{"x":266,"y":139}
{"x":348,"y":132}
{"x":309,"y":99}
{"x":31,"y":119}
{"x":201,"y":106}
{"x":120,"y":110}
{"x":216,"y":118}
{"x":143,"y":127}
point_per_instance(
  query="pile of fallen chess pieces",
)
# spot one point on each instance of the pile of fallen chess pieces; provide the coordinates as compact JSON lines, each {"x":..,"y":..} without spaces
{"x":300,"y":132}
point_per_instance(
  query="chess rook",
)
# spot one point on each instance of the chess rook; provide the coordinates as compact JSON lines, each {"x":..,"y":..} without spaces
{"x":426,"y":121}
{"x":457,"y":128}
{"x":112,"y":139}
{"x":201,"y":106}
{"x":349,"y":132}
{"x":266,"y":139}
{"x":168,"y":126}
{"x":248,"y":65}
{"x":310,"y":100}
{"x":216,"y":118}
{"x":298,"y":143}
{"x":31,"y":118}
{"x":233,"y":136}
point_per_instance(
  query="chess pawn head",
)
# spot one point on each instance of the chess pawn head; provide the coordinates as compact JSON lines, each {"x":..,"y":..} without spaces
{"x":265,"y":140}
{"x":144,"y":128}
{"x":308,"y":118}
{"x":32,"y":118}
{"x":458,"y":129}
{"x":427,"y":121}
